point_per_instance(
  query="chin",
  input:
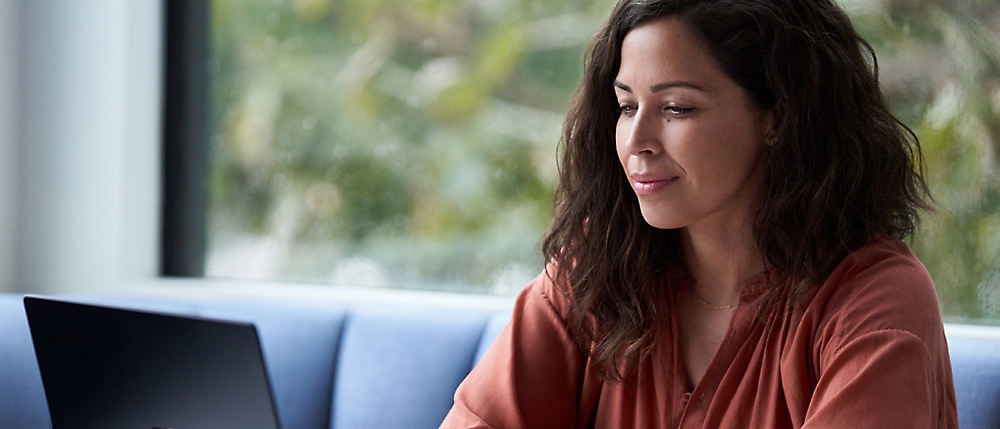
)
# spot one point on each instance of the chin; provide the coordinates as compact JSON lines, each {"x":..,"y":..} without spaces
{"x":659,"y":221}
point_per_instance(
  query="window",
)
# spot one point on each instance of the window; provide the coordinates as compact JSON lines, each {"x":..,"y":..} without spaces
{"x":379,"y":143}
{"x":412,"y":144}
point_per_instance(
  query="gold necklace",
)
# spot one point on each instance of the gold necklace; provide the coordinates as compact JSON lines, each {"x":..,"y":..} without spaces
{"x":706,"y":304}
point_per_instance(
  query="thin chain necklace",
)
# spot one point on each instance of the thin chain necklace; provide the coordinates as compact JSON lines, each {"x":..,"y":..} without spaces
{"x":706,"y":304}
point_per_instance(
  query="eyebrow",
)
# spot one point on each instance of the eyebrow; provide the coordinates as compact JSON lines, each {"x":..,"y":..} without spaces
{"x":662,"y":86}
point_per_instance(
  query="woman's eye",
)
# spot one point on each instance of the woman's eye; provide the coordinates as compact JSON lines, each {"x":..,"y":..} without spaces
{"x":677,"y":110}
{"x":626,"y":109}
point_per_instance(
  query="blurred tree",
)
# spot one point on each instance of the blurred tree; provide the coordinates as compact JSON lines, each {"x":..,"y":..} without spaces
{"x":382,"y":130}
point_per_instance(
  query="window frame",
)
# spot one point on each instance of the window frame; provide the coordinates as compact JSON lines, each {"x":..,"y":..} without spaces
{"x":186,"y":131}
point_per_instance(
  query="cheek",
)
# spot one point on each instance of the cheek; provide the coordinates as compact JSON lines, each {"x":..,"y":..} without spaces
{"x":729,"y":146}
{"x":621,"y":139}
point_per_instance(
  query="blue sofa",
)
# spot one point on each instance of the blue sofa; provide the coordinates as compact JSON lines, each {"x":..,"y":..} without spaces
{"x":330,"y":366}
{"x":386,"y":366}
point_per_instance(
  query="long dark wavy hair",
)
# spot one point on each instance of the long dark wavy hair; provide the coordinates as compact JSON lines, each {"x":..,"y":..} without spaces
{"x":841,"y":170}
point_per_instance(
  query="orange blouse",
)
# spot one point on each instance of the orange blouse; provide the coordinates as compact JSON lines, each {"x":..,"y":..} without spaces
{"x":865,"y":349}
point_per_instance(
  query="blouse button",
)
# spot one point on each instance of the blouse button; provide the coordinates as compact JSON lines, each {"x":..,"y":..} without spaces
{"x":686,"y":397}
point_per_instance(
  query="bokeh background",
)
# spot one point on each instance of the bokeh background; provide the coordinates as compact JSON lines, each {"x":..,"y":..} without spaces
{"x":412,"y":143}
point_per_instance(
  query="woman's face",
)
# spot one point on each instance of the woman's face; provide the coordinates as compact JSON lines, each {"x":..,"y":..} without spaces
{"x":687,"y":136}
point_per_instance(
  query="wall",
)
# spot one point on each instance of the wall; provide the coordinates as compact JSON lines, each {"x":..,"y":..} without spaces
{"x":9,"y":69}
{"x":87,"y":148}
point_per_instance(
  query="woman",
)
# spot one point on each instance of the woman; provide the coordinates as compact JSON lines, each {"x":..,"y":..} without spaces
{"x":726,"y":246}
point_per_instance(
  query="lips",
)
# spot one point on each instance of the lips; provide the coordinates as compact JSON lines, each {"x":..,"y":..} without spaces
{"x":650,"y":183}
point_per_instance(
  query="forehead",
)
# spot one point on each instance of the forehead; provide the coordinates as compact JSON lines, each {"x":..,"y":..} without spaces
{"x":667,"y":49}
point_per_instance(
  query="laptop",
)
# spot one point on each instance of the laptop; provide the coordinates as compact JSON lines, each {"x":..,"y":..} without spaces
{"x":112,"y":368}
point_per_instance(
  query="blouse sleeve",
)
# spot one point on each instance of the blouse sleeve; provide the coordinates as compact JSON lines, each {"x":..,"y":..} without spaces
{"x":881,"y":357}
{"x":531,"y":376}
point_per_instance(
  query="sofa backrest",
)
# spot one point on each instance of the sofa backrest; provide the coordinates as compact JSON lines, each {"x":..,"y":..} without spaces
{"x":358,"y":367}
{"x":975,"y":362}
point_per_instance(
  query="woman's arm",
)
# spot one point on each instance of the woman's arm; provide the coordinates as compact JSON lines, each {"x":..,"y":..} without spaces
{"x":532,"y":376}
{"x":883,"y":379}
{"x":881,"y":354}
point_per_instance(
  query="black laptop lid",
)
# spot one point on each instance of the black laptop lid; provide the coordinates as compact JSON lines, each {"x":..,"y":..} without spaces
{"x":109,"y":368}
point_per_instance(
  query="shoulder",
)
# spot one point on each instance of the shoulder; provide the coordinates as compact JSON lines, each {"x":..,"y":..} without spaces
{"x":544,"y":293}
{"x":881,"y":287}
{"x":877,"y":342}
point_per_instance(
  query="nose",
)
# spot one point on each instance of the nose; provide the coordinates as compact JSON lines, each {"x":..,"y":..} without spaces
{"x":642,"y":133}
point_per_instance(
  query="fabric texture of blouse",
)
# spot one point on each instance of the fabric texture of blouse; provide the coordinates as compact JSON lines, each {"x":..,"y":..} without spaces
{"x":865,"y":349}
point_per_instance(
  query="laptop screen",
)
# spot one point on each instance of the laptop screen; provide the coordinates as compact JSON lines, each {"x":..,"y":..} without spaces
{"x":110,"y":368}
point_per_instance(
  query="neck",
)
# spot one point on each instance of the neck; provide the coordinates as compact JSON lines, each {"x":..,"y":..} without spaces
{"x":720,"y":260}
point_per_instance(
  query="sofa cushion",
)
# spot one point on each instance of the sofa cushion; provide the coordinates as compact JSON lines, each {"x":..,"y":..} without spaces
{"x":975,"y":362}
{"x":399,"y":367}
{"x":495,"y":324}
{"x":136,"y":302}
{"x":22,"y":398}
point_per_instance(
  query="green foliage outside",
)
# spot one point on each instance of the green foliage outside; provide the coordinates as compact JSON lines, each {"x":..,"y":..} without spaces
{"x":412,"y":143}
{"x":940,"y":63}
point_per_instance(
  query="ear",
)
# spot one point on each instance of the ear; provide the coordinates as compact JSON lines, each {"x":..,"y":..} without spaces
{"x":768,"y":126}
